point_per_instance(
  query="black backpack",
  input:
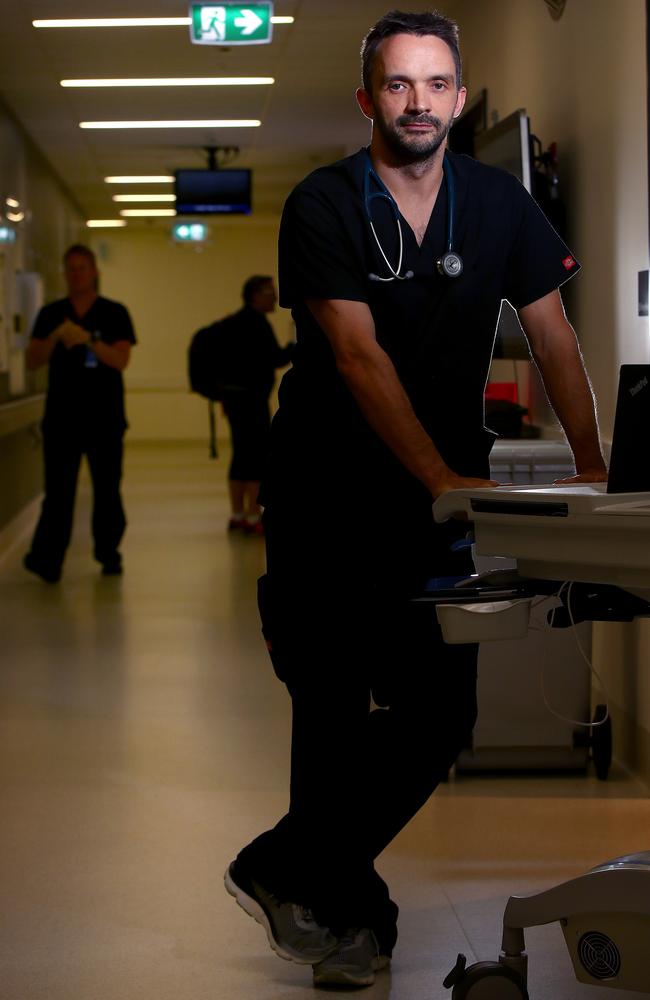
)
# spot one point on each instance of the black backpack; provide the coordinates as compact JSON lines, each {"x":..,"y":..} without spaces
{"x":207,"y":360}
{"x":207,"y":367}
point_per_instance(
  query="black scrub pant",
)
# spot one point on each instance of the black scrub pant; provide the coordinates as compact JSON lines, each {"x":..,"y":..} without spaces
{"x":62,"y":452}
{"x":338,"y":616}
{"x":250,"y":423}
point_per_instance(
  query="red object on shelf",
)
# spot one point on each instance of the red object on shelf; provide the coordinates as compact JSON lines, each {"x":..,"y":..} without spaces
{"x":502,"y":390}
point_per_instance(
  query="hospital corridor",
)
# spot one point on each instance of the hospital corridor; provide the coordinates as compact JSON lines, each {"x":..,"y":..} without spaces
{"x":144,"y":737}
{"x":324,"y":387}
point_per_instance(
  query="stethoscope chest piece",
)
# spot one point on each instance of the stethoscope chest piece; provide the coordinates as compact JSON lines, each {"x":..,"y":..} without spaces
{"x":450,"y":264}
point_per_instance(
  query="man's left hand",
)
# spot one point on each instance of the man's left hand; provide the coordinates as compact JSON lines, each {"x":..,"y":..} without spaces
{"x":598,"y":475}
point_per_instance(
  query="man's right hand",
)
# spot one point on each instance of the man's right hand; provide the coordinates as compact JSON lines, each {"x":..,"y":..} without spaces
{"x":71,"y":334}
{"x":451,"y":481}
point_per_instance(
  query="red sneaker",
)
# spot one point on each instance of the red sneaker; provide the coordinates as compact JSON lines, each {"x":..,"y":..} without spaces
{"x":254,"y":528}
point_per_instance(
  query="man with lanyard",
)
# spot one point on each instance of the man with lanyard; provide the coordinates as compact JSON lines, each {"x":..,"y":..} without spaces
{"x":86,"y":341}
{"x":395,"y":262}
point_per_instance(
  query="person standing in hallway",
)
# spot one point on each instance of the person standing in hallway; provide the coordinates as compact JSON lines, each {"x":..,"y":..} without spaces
{"x":395,"y":262}
{"x":251,"y":356}
{"x":86,"y":340}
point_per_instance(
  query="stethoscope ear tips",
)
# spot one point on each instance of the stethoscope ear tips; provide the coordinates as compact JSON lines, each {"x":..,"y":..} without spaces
{"x":450,"y":265}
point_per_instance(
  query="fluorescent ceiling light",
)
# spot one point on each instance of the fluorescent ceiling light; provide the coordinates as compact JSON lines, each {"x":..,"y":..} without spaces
{"x":144,"y":197}
{"x":190,"y":81}
{"x":143,"y":213}
{"x":105,"y":223}
{"x":127,"y":22}
{"x":111,"y":22}
{"x":209,"y":123}
{"x":140,"y":179}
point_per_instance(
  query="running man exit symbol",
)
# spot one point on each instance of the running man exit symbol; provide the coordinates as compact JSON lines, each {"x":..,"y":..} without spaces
{"x":231,"y":24}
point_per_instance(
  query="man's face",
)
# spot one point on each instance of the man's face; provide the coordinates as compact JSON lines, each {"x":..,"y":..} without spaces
{"x":80,"y":274}
{"x":414,"y":98}
{"x":265,"y":298}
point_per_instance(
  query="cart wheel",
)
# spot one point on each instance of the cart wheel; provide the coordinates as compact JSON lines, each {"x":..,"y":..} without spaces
{"x":485,"y":981}
{"x":601,"y":743}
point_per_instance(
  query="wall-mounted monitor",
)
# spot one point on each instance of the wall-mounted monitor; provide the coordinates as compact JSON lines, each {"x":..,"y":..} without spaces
{"x":508,"y":145}
{"x":213,"y":192}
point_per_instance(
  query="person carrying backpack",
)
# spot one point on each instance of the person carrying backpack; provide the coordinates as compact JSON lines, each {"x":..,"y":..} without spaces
{"x":234,"y":361}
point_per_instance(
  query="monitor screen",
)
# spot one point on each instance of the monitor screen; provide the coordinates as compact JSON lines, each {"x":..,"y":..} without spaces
{"x":210,"y":192}
{"x":507,"y":145}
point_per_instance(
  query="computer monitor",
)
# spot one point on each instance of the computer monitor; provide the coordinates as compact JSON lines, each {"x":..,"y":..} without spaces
{"x":508,"y":145}
{"x":629,"y":468}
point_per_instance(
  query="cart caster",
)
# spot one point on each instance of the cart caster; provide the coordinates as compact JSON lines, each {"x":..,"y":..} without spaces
{"x":485,"y":981}
{"x":601,"y":743}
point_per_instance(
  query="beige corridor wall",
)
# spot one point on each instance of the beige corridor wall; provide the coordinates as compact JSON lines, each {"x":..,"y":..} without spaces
{"x":582,"y":80}
{"x":52,"y":222}
{"x":171,"y":290}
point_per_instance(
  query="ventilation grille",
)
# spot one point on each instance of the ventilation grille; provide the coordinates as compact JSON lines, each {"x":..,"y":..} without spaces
{"x":599,"y":955}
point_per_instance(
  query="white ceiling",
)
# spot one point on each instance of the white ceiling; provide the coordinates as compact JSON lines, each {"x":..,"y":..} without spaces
{"x":309,"y":116}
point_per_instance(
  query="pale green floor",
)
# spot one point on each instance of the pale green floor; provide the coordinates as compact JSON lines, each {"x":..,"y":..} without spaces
{"x":143,"y":739}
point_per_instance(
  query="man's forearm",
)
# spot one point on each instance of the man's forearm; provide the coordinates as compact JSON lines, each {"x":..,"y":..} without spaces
{"x":40,"y":351}
{"x":380,"y":395}
{"x":113,"y":355}
{"x":572,"y":399}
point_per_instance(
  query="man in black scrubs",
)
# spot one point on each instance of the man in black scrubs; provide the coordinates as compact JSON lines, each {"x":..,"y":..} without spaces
{"x":381,"y":413}
{"x":86,"y":340}
{"x":251,"y":355}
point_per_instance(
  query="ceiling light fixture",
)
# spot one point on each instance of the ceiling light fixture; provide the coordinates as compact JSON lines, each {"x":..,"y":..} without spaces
{"x":209,"y":123}
{"x":140,"y":179}
{"x":12,"y":203}
{"x":128,"y":22}
{"x":144,"y":197}
{"x":105,"y":223}
{"x":190,"y":81}
{"x":144,"y":213}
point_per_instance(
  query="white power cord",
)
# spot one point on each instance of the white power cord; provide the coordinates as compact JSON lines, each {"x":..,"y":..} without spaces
{"x":592,"y":669}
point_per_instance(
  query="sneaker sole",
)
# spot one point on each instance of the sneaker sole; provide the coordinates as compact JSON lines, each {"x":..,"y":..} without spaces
{"x":250,"y":906}
{"x":338,"y":977}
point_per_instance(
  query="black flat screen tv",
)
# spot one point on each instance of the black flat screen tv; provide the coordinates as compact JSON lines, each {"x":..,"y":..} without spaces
{"x":508,"y":145}
{"x":213,"y":192}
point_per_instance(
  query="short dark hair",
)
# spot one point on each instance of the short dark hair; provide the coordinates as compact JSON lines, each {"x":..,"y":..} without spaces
{"x":396,"y":22}
{"x":79,"y":249}
{"x":253,"y":285}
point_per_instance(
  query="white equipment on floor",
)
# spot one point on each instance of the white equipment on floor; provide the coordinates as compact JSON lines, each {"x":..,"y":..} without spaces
{"x":587,"y":536}
{"x":514,"y":729}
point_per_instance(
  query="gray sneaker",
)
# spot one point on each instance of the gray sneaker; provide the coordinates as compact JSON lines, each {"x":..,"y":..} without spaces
{"x":353,"y":963}
{"x":291,"y":929}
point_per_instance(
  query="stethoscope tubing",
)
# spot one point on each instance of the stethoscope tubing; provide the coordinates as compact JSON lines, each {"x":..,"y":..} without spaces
{"x":384,"y":193}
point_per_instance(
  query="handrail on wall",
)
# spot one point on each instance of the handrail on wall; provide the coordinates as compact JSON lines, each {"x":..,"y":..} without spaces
{"x":21,"y":413}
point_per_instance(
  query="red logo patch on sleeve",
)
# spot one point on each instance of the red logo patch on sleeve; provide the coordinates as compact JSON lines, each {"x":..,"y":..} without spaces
{"x":569,"y":262}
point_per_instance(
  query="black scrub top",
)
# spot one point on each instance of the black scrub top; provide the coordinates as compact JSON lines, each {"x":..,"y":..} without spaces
{"x":439,"y":332}
{"x":84,"y":394}
{"x":252,"y":353}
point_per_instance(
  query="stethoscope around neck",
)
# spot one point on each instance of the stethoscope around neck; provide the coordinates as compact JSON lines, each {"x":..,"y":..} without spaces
{"x":450,"y":264}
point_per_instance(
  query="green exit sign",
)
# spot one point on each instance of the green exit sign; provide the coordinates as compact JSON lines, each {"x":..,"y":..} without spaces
{"x":231,"y":24}
{"x":189,"y":232}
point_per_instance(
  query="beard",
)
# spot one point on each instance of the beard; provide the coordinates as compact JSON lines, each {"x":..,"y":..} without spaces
{"x":413,"y":148}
